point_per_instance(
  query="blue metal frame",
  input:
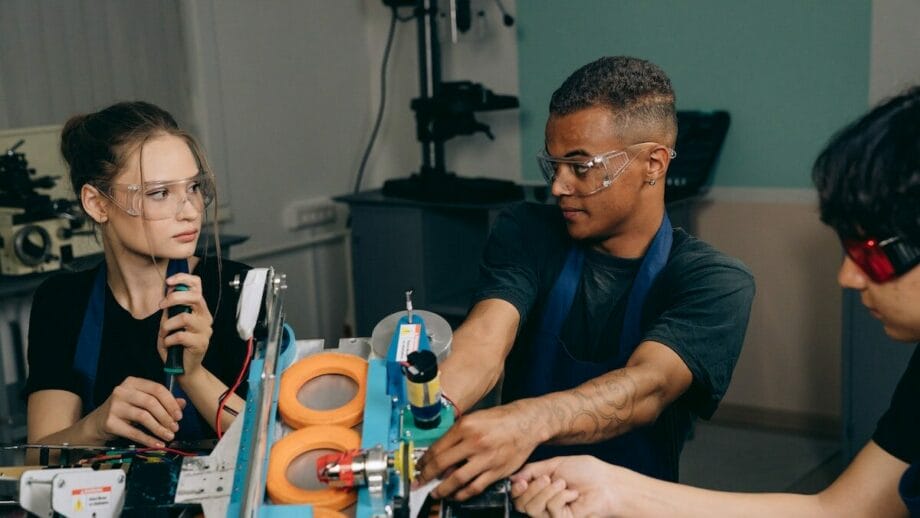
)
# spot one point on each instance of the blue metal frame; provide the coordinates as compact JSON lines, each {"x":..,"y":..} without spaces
{"x":247,"y":434}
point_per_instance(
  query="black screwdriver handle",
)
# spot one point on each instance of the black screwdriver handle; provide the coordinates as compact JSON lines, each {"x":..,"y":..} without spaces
{"x":174,"y":365}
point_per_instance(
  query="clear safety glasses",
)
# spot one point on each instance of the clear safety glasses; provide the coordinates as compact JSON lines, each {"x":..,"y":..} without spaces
{"x":882,"y":260}
{"x":161,"y":200}
{"x":591,"y":175}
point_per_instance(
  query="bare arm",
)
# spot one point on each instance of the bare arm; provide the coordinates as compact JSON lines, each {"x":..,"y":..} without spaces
{"x":54,"y":416}
{"x":490,"y":444}
{"x":614,"y":403}
{"x":193,"y":331}
{"x":868,"y":488}
{"x":478,"y":352}
{"x":205,"y":389}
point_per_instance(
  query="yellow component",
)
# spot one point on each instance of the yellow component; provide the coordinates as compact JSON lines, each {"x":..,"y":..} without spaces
{"x":405,"y":452}
{"x":416,"y":392}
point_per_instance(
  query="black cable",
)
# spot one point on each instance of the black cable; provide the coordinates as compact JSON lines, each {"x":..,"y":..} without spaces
{"x":383,"y":96}
{"x":507,"y":19}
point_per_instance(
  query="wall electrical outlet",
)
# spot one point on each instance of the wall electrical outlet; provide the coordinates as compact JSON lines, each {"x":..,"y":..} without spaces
{"x":309,"y":213}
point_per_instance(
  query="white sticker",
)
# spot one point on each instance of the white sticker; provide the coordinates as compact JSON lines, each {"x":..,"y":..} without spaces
{"x":91,"y":498}
{"x":408,"y":341}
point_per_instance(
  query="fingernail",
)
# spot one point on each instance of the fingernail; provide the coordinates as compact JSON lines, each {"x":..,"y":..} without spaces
{"x":160,"y":445}
{"x":178,"y":416}
{"x":170,"y":435}
{"x":175,"y":427}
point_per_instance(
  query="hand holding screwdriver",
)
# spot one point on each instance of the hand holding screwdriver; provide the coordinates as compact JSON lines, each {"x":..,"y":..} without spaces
{"x":185,"y":328}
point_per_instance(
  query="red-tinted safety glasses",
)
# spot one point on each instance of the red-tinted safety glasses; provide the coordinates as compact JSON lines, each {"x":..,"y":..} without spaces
{"x":882,"y":260}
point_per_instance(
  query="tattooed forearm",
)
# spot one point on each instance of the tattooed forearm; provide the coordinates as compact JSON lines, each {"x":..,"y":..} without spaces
{"x":599,"y":409}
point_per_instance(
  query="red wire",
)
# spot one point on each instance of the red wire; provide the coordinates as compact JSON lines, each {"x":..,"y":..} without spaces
{"x":236,"y":384}
{"x":457,"y":413}
{"x":168,"y":450}
{"x":121,"y":455}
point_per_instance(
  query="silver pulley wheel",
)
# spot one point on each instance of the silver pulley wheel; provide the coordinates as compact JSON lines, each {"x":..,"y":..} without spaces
{"x":439,"y":333}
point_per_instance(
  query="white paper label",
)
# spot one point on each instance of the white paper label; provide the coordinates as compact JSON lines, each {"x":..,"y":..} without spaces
{"x":409,"y":335}
{"x":91,"y":498}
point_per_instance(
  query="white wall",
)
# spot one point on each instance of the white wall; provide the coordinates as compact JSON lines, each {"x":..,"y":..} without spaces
{"x":894,"y":48}
{"x":285,"y":93}
{"x":486,"y":54}
{"x":789,"y":365}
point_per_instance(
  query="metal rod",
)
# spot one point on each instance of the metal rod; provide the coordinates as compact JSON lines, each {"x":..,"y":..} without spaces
{"x":253,"y":489}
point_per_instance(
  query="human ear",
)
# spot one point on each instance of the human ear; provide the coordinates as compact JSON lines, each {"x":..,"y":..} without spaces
{"x":659,"y":159}
{"x":94,"y":203}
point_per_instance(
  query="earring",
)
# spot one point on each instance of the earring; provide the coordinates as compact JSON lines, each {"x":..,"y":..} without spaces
{"x":652,"y":181}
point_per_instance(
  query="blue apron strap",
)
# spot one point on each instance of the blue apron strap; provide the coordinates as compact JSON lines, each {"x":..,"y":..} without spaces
{"x":86,"y":357}
{"x":553,"y":369}
{"x":655,"y":260}
{"x":909,"y":489}
{"x":546,"y":340}
{"x":563,"y":293}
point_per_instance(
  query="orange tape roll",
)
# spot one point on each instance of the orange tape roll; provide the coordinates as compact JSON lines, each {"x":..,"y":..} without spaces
{"x":322,"y":512}
{"x":293,"y":379}
{"x":295,"y":444}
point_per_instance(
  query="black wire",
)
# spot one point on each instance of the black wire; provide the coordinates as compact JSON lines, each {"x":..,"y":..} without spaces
{"x":507,"y":19}
{"x":383,"y":96}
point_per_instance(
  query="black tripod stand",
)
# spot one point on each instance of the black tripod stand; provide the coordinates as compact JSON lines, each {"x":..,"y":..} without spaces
{"x":445,"y":110}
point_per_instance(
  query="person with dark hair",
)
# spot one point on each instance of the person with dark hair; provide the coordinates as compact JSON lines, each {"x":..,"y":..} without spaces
{"x":611,"y":327}
{"x":868,"y":181}
{"x":98,"y":339}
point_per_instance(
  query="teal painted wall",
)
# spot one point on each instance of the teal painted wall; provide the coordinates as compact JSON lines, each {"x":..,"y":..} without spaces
{"x":790,"y":72}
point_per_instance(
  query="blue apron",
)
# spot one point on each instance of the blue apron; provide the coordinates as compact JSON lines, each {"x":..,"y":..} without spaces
{"x":89,"y":344}
{"x":909,"y":489}
{"x":551,"y":368}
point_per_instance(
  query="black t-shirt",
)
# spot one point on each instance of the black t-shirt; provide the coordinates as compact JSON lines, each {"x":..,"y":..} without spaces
{"x":698,"y":306}
{"x":898,"y":430}
{"x":128,"y":345}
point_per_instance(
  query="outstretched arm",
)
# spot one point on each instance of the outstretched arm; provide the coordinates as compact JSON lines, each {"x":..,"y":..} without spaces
{"x":493,"y":443}
{"x":478,"y":352}
{"x":612,"y":404}
{"x":582,"y":486}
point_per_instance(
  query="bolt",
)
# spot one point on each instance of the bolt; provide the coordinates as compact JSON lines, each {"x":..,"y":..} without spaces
{"x":60,"y":482}
{"x":220,"y":489}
